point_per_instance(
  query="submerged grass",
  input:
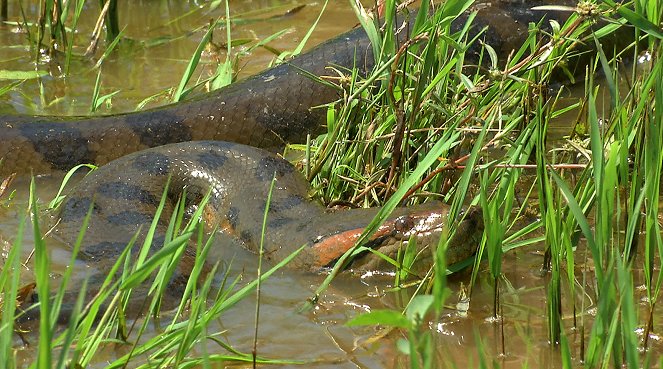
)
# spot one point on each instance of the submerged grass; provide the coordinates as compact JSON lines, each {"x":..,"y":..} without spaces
{"x":424,"y":124}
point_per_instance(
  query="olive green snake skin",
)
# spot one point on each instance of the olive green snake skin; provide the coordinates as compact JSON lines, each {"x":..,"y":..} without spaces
{"x":217,"y":141}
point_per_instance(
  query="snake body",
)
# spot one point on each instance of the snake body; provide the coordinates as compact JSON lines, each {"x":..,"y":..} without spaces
{"x":121,"y":206}
{"x":124,"y":201}
{"x":267,"y":110}
{"x":264,"y":111}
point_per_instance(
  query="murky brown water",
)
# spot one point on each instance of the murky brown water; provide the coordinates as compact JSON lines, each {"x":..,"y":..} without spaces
{"x":140,"y":70}
{"x":319,"y":336}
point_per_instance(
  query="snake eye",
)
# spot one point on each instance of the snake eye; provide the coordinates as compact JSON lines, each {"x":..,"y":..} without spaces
{"x":403,"y":224}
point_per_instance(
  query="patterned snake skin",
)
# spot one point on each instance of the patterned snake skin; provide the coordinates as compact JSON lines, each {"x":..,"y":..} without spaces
{"x":262,"y":112}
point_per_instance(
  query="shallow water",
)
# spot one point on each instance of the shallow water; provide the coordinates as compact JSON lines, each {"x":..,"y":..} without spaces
{"x":160,"y":37}
{"x":319,"y":337}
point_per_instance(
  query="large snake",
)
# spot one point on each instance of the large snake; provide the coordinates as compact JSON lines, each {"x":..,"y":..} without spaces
{"x":265,"y":111}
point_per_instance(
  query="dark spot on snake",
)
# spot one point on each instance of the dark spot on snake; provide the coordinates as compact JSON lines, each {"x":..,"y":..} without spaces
{"x":246,"y":237}
{"x":195,"y":193}
{"x":76,"y":208}
{"x":233,"y":216}
{"x":102,"y":250}
{"x":403,"y":224}
{"x":156,"y":244}
{"x":160,"y":128}
{"x":177,"y":283}
{"x":212,"y":159}
{"x":129,"y":217}
{"x":123,"y":191}
{"x":112,"y":249}
{"x":376,"y":243}
{"x":283,"y":204}
{"x":158,"y":240}
{"x":278,"y":222}
{"x":301,"y":226}
{"x":152,"y":163}
{"x":291,"y":201}
{"x":62,"y":146}
{"x":269,"y":165}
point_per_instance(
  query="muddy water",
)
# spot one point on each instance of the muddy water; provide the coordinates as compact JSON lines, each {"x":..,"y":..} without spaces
{"x":160,"y":37}
{"x":153,"y":61}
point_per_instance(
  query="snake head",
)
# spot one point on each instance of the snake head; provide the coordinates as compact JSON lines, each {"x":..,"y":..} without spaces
{"x":418,"y":228}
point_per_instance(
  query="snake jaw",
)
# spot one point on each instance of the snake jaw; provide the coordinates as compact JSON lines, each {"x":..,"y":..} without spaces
{"x":425,"y":225}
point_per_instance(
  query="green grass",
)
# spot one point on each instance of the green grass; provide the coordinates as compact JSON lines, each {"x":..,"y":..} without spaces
{"x":603,"y":208}
{"x":102,"y":322}
{"x":422,"y":126}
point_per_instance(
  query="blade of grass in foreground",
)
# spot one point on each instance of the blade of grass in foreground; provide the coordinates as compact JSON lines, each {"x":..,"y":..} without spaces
{"x":652,"y":159}
{"x":9,"y":281}
{"x":223,"y":75}
{"x":176,"y":332}
{"x":180,"y":93}
{"x":261,"y":255}
{"x":42,"y":278}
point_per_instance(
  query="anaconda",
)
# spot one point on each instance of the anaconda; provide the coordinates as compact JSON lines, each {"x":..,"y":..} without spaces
{"x":266,"y":111}
{"x":238,"y":178}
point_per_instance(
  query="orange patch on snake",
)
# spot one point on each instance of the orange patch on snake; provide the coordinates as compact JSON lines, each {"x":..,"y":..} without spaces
{"x":333,"y":247}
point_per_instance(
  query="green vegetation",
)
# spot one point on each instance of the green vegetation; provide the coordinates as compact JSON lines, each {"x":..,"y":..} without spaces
{"x":597,"y":214}
{"x":103,"y":322}
{"x":426,"y":124}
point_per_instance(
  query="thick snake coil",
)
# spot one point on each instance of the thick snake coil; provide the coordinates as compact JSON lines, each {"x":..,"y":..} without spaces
{"x":126,"y":200}
{"x":238,"y":178}
{"x":265,"y":111}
